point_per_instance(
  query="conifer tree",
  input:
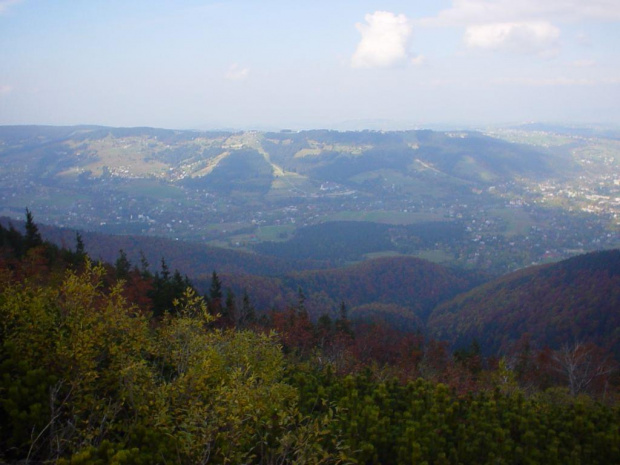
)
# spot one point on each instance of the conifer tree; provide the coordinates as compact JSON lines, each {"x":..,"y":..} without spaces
{"x":144,"y":266}
{"x":301,"y":301}
{"x":165,"y":271}
{"x":79,"y":245}
{"x":229,"y":310}
{"x":215,"y":294}
{"x":342,"y":323}
{"x":248,"y":314}
{"x":33,"y":237}
{"x":14,"y":240}
{"x":122,"y":265}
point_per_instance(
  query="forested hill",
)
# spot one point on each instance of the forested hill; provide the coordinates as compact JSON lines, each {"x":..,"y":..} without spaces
{"x":398,"y":290}
{"x":104,"y":363}
{"x":577,"y":299}
{"x":574,"y":300}
{"x":195,"y":259}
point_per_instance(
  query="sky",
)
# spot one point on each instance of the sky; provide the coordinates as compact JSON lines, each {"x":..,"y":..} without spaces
{"x":342,"y":64}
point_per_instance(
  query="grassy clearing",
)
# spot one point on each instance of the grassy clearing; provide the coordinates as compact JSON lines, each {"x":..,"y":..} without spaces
{"x":308,"y":152}
{"x":382,"y":254}
{"x":385,"y":176}
{"x":536,"y":138}
{"x":517,"y":221}
{"x":435,"y":256}
{"x":262,"y":234}
{"x":283,"y":187}
{"x":152,"y":188}
{"x":469,"y":167}
{"x":126,"y":156}
{"x":416,"y":182}
{"x":387,"y":217}
{"x":274,"y":233}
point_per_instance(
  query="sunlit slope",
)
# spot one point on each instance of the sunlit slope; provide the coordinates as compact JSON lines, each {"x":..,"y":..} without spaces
{"x":289,"y":159}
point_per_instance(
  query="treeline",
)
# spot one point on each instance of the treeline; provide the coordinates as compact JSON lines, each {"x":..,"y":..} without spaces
{"x":93,"y":371}
{"x":193,"y":258}
{"x":395,"y":289}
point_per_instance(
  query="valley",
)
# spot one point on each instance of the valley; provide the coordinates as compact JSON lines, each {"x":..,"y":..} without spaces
{"x":520,"y":196}
{"x":378,"y":305}
{"x":323,"y":233}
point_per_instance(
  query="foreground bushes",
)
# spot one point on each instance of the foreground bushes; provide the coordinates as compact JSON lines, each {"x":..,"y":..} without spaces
{"x":87,"y":378}
{"x":423,"y":422}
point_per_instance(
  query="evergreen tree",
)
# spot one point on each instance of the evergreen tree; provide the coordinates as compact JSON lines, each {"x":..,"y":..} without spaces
{"x":77,"y":257}
{"x":166,"y":289}
{"x":342,"y":323}
{"x":301,"y":302}
{"x":13,"y":240}
{"x":324,"y":323}
{"x":165,"y":272}
{"x":3,"y":235}
{"x":122,"y":265}
{"x":343,"y":311}
{"x":144,"y":266}
{"x":79,"y":245}
{"x":248,"y":314}
{"x":33,"y":237}
{"x":215,"y":294}
{"x":229,"y":312}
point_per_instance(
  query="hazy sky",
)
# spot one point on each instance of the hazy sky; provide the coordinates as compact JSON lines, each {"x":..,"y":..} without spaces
{"x":308,"y":64}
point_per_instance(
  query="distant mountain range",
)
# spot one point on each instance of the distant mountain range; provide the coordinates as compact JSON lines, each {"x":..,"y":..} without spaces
{"x":73,"y":158}
{"x":63,"y":153}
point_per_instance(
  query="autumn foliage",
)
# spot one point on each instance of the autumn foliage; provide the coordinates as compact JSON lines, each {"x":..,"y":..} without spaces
{"x":112,"y":364}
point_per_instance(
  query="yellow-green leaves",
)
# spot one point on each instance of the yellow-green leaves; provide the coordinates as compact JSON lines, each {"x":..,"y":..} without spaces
{"x":88,"y":379}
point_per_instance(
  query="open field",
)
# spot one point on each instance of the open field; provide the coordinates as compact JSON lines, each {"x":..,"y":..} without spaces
{"x":387,"y":217}
{"x":518,"y":221}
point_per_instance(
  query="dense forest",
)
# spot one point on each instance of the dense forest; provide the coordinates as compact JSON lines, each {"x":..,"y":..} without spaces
{"x":411,"y":287}
{"x":576,"y":299}
{"x":117,"y":363}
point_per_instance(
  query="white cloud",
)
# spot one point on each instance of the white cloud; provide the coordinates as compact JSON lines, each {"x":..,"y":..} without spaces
{"x":555,"y":82}
{"x":418,"y":60}
{"x":385,"y":41}
{"x":584,"y":63}
{"x":584,"y":39}
{"x":236,"y":73}
{"x":523,"y":26}
{"x":6,"y":4}
{"x":464,"y":12}
{"x":5,"y":89}
{"x":539,"y":37}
